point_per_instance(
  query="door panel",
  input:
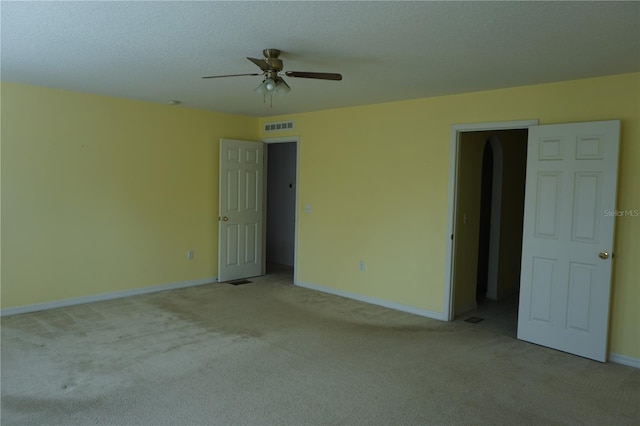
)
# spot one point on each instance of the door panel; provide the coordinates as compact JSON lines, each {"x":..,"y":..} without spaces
{"x":543,"y":277}
{"x":580,"y":290}
{"x":547,"y":205}
{"x":585,"y":207}
{"x":565,"y":285}
{"x":241,"y":209}
{"x":233,"y":236}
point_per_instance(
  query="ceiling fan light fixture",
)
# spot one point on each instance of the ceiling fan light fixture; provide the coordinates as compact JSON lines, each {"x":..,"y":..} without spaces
{"x":282,"y":88}
{"x":260,"y":89}
{"x":269,"y":85}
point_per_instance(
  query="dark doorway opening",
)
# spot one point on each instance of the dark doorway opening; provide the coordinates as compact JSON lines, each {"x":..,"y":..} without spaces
{"x":491,"y":187}
{"x":281,"y":207}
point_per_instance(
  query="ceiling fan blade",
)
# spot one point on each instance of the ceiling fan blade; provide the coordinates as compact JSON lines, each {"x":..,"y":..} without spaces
{"x":316,"y":75}
{"x":261,"y":63}
{"x":228,"y":75}
{"x":281,"y":80}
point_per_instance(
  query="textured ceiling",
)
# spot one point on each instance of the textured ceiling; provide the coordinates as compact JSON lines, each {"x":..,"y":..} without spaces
{"x":386,"y":51}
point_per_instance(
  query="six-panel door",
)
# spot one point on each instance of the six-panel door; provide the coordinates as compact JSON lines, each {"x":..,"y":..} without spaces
{"x":568,"y":237}
{"x":240,"y":211}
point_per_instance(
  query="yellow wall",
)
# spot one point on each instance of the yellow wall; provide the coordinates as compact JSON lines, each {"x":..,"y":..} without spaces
{"x":102,"y":194}
{"x":376,"y":178}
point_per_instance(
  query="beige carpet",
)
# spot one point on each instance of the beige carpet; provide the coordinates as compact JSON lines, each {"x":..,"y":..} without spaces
{"x":269,"y":353}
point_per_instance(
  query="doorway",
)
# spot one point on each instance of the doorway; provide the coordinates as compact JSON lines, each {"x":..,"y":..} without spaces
{"x":491,"y":187}
{"x":281,"y":200}
{"x":570,"y":176}
{"x":485,"y":255}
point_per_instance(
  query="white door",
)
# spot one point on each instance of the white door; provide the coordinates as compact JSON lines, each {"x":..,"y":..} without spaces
{"x":241,"y":209}
{"x":568,"y":236}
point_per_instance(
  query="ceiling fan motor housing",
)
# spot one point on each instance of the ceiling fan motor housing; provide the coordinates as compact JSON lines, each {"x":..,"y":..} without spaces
{"x":271,"y":53}
{"x":271,"y":58}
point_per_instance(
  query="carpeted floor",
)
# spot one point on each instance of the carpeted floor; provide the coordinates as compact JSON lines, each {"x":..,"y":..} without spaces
{"x":269,"y":353}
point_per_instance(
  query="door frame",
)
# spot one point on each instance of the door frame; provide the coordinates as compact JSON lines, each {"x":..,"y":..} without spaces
{"x":448,"y":311}
{"x":267,"y":142}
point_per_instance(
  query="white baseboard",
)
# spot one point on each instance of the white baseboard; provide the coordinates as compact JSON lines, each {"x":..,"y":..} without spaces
{"x":624,"y":360}
{"x":101,"y":297}
{"x":373,"y":301}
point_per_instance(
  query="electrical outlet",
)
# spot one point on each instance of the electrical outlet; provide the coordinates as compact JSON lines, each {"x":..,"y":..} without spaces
{"x":190,"y":254}
{"x":361,"y":265}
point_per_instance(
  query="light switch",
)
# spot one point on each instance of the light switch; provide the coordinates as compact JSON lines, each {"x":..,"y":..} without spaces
{"x":307,"y":208}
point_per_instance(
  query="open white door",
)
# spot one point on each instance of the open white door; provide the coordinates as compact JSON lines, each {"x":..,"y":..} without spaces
{"x":568,"y":236}
{"x":241,"y":209}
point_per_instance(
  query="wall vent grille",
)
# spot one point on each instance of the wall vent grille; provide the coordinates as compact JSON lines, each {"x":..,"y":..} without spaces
{"x":279,"y":126}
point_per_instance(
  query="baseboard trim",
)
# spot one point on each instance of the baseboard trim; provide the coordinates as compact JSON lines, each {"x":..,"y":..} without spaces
{"x":102,"y":297}
{"x":373,"y":301}
{"x":624,"y":360}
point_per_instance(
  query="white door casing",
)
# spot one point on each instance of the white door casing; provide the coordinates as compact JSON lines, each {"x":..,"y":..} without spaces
{"x":240,"y":242}
{"x":565,"y":274}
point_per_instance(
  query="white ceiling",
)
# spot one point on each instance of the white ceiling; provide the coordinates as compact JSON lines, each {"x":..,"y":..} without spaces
{"x":386,"y":51}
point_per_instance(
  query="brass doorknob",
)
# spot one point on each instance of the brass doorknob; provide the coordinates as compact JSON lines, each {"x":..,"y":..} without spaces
{"x":603,"y":255}
{"x":224,"y":218}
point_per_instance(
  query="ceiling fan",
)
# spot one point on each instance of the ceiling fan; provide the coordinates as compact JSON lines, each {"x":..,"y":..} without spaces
{"x":271,"y":67}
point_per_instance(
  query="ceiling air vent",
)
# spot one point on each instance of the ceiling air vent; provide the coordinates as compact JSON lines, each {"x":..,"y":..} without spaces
{"x":278,"y":127}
